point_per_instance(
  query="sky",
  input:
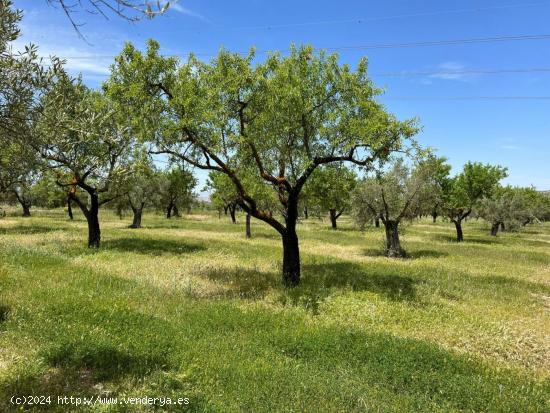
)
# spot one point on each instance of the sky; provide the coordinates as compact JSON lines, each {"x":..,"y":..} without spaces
{"x":477,"y":100}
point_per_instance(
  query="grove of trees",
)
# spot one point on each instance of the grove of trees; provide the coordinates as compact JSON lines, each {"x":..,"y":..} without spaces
{"x":282,"y":139}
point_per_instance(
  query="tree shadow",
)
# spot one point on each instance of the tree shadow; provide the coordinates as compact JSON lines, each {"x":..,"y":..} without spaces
{"x":409,"y":254}
{"x":467,"y":239}
{"x":28,"y":229}
{"x":239,"y":282}
{"x":152,"y":246}
{"x":103,"y":361}
{"x":327,"y":276}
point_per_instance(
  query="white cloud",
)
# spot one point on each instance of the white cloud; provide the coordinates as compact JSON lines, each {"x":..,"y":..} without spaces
{"x":452,"y":71}
{"x":183,"y":10}
{"x":510,"y":147}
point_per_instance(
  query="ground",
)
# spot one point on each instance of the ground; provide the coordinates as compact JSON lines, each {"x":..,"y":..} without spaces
{"x":190,"y":308}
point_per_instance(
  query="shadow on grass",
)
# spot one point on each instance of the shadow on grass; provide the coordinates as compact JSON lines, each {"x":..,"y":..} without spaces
{"x":380,"y":252}
{"x":152,"y":246}
{"x":103,"y":361}
{"x":467,"y":239}
{"x":29,"y":229}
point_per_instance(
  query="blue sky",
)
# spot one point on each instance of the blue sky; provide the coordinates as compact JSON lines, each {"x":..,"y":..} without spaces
{"x":511,"y":132}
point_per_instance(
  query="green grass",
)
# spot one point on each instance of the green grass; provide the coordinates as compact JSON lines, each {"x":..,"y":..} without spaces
{"x":190,"y":308}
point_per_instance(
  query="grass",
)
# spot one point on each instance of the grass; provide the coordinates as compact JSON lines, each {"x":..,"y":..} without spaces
{"x":190,"y":308}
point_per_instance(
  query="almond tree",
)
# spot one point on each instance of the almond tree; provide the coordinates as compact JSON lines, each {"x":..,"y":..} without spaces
{"x":331,"y":187}
{"x":284,"y":117}
{"x":467,"y":189}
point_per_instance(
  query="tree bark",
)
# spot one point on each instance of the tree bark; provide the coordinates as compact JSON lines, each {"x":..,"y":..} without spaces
{"x":248,"y":233}
{"x":176,"y":211}
{"x":459,"y":234}
{"x":502,"y":226}
{"x":291,"y":259}
{"x":333,"y":218}
{"x":92,"y":216}
{"x":393,"y":245}
{"x":232,"y":209}
{"x":138,"y":212}
{"x":169,"y":211}
{"x":70,"y":209}
{"x":25,"y":204}
{"x":306,"y":213}
{"x":434,"y":217}
{"x":494,"y":228}
{"x":377,"y":222}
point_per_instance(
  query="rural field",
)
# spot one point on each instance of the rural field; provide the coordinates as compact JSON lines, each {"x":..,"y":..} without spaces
{"x":190,"y":308}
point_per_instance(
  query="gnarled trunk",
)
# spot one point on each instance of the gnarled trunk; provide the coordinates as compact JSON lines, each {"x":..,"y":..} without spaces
{"x":458,"y":226}
{"x":333,"y":218}
{"x":248,"y":233}
{"x":494,"y":228}
{"x":393,"y":245}
{"x":25,"y":204}
{"x":169,"y":210}
{"x":138,"y":212}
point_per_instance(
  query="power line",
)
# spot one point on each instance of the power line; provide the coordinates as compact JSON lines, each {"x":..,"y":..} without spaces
{"x":366,"y":46}
{"x":360,"y":20}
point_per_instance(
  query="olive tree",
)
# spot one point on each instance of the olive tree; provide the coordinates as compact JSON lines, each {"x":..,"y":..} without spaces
{"x":507,"y":207}
{"x":80,"y":136}
{"x":390,"y":195}
{"x":285,"y":117}
{"x":467,"y":189}
{"x":331,"y":187}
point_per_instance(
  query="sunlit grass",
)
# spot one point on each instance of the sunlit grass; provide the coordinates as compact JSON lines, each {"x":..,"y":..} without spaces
{"x":189,"y":307}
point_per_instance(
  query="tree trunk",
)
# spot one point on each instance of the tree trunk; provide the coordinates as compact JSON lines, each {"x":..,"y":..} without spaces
{"x":138,"y":212}
{"x":26,"y":209}
{"x":232,"y":209}
{"x":494,"y":228}
{"x":502,"y":226}
{"x":459,"y":235}
{"x":291,"y":259}
{"x":70,"y":209}
{"x":377,"y":222}
{"x":25,"y":204}
{"x":333,"y":218}
{"x":393,"y":245}
{"x":225,"y":209}
{"x":169,"y":211}
{"x":434,"y":217}
{"x":94,"y":233}
{"x":248,"y":233}
{"x":306,"y":214}
{"x":176,"y":211}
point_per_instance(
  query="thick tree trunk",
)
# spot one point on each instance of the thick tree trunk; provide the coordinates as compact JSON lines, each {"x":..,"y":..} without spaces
{"x":459,"y":235}
{"x":25,"y":204}
{"x":176,"y":211}
{"x":232,"y":209}
{"x":291,"y":259}
{"x":434,"y":217}
{"x":248,"y":233}
{"x":393,"y":245}
{"x":26,"y":210}
{"x":169,"y":211}
{"x":94,"y":233}
{"x":333,"y":218}
{"x":377,"y":222}
{"x":136,"y":222}
{"x":494,"y":228}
